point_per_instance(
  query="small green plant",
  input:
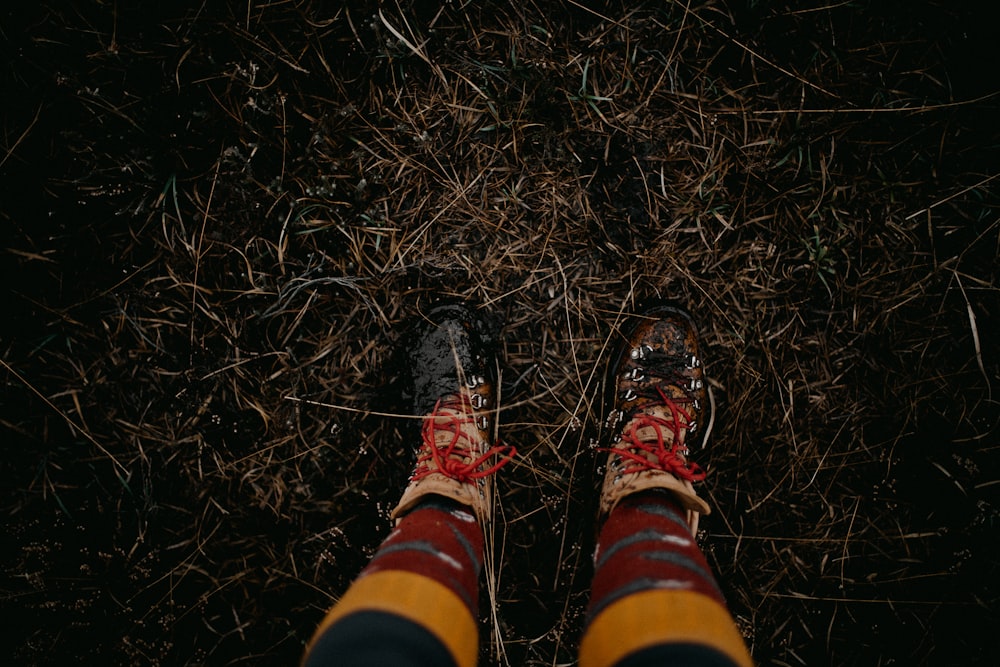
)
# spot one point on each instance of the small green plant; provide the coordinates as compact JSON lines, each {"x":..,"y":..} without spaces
{"x":821,"y":258}
{"x":584,"y":95}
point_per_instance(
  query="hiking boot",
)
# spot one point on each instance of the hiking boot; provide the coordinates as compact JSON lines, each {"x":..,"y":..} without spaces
{"x":659,"y":412}
{"x":452,"y":365}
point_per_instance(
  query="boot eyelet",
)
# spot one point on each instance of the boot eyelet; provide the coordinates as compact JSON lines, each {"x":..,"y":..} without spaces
{"x":635,"y":374}
{"x":640,"y":352}
{"x":477,"y":401}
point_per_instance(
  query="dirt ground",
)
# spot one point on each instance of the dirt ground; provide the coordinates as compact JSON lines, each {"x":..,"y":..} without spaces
{"x":217,"y":216}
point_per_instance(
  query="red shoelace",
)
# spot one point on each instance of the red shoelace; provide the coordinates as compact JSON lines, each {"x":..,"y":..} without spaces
{"x":460,"y":458}
{"x":668,"y":458}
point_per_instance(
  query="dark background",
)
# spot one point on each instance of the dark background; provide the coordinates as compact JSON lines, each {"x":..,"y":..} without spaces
{"x":215,"y":220}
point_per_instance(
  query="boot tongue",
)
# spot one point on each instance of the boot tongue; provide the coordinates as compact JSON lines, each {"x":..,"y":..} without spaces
{"x":448,"y":419}
{"x":666,"y":430}
{"x":651,"y":401}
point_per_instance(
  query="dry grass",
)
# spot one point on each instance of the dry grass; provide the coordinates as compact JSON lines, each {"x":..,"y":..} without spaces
{"x":214,"y":224}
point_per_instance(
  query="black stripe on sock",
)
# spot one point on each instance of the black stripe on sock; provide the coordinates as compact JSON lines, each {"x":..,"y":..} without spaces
{"x":378,"y":639}
{"x":677,"y":655}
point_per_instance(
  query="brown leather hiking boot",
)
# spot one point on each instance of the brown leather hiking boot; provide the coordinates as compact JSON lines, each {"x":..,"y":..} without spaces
{"x":452,"y":373}
{"x":660,"y":410}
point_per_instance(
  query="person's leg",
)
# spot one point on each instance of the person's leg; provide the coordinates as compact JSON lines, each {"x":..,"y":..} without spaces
{"x":653,"y":599}
{"x":415,"y":604}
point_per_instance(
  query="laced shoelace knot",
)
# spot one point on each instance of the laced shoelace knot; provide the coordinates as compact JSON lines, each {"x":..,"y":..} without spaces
{"x":651,"y":450}
{"x":460,"y":457}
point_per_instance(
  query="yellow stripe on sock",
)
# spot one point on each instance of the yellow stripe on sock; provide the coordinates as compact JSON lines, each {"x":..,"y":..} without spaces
{"x":416,"y":598}
{"x":650,"y":618}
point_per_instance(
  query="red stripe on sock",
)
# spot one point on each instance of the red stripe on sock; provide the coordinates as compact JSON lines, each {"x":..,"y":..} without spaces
{"x":645,"y":544}
{"x":436,"y":543}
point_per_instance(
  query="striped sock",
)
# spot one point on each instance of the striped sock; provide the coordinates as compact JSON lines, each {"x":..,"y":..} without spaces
{"x":653,"y":593}
{"x":439,"y":539}
{"x":424,"y":576}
